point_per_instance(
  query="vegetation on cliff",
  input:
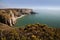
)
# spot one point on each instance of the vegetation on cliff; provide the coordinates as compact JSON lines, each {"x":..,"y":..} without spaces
{"x":30,"y":32}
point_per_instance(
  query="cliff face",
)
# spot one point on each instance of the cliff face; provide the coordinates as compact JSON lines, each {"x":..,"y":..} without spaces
{"x":9,"y":16}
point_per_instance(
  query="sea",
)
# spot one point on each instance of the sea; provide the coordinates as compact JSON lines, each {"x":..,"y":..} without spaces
{"x":50,"y":17}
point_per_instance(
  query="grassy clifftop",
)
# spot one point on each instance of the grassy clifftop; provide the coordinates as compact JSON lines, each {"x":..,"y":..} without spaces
{"x":30,"y":32}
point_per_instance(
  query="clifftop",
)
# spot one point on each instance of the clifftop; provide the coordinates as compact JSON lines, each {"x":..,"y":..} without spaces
{"x":30,"y":32}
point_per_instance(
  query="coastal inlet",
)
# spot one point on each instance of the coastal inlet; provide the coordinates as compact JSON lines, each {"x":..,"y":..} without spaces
{"x":43,"y":16}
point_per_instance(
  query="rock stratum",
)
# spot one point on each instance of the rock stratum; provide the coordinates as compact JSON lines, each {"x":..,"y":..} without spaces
{"x":30,"y":32}
{"x":9,"y":16}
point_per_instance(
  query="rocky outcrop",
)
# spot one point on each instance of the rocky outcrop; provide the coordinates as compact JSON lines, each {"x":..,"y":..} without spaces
{"x":9,"y":16}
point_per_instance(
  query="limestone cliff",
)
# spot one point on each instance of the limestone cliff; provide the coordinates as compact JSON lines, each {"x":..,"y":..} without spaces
{"x":9,"y":16}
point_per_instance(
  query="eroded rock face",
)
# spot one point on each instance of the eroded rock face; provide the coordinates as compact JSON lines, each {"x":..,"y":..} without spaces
{"x":9,"y":16}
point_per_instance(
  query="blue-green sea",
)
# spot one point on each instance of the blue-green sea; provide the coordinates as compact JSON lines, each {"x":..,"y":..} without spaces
{"x":50,"y":17}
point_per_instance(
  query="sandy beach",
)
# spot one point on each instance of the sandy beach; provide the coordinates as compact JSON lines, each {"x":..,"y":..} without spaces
{"x":20,"y":16}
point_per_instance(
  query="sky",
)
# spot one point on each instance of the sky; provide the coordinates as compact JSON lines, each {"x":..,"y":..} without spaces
{"x":30,"y":4}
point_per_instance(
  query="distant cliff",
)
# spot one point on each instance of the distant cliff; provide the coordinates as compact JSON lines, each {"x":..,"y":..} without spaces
{"x":9,"y":16}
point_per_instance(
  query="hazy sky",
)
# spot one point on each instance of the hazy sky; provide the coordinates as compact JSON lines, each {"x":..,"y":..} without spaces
{"x":29,"y":3}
